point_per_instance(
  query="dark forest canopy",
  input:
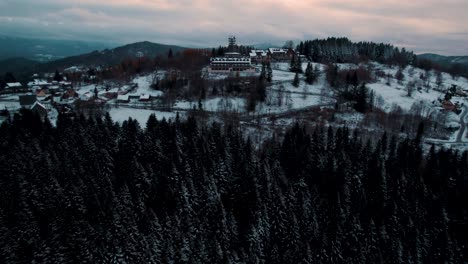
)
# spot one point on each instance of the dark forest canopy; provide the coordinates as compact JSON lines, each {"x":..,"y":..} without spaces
{"x":92,"y":191}
{"x":340,"y":50}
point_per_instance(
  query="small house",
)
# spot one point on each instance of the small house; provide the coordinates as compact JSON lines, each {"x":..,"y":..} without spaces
{"x":276,"y":54}
{"x":447,"y":105}
{"x":86,"y":96}
{"x":258,"y":56}
{"x":38,"y":83}
{"x":40,"y":109}
{"x":42,"y":93}
{"x":15,"y":85}
{"x":123,"y":98}
{"x":69,"y":94}
{"x":144,"y":98}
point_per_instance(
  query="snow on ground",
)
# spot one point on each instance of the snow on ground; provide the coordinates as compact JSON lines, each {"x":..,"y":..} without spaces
{"x":397,"y":95}
{"x":452,"y":121}
{"x":141,"y":115}
{"x":230,"y":104}
{"x":279,"y":75}
{"x":289,"y":101}
{"x":12,"y":97}
{"x":281,"y":66}
{"x":85,"y":88}
{"x":144,"y":83}
{"x":351,"y":119}
{"x":52,"y":114}
{"x":9,"y":105}
{"x":315,"y":88}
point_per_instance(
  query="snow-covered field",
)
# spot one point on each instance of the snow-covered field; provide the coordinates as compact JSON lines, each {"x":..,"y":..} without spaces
{"x":141,"y":115}
{"x":229,"y":104}
{"x":9,"y":105}
{"x":144,"y":83}
{"x":397,"y":94}
{"x":282,"y":75}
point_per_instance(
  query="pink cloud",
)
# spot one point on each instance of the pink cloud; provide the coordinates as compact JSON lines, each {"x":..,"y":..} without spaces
{"x":207,"y":22}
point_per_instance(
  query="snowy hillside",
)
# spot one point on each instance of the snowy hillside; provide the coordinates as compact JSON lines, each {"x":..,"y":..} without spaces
{"x":409,"y":90}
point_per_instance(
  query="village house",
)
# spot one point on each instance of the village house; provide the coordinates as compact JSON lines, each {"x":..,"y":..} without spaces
{"x":123,"y":98}
{"x":278,"y":55}
{"x":144,"y":98}
{"x":38,"y":83}
{"x":14,"y":86}
{"x":258,"y":56}
{"x":447,"y":105}
{"x":39,"y":109}
{"x":86,"y":96}
{"x":231,"y":61}
{"x":69,"y":94}
{"x":42,"y":93}
{"x":30,"y":102}
{"x":65,"y":84}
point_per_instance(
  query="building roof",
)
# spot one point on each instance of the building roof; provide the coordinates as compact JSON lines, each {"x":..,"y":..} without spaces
{"x":277,"y":50}
{"x":123,"y":97}
{"x":37,"y":104}
{"x":86,"y":96}
{"x":144,"y":97}
{"x":29,"y":99}
{"x":38,"y":82}
{"x":257,"y":53}
{"x":230,"y":60}
{"x":14,"y":85}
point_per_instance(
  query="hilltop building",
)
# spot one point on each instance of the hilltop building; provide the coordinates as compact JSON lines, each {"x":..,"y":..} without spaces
{"x":232,"y":61}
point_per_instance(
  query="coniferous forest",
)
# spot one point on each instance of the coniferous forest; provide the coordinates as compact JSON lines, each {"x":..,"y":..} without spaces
{"x":95,"y":191}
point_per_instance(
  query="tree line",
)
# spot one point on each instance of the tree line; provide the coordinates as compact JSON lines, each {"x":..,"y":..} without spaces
{"x":342,"y":50}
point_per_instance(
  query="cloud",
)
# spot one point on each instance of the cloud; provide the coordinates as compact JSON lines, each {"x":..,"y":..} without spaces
{"x":425,"y":26}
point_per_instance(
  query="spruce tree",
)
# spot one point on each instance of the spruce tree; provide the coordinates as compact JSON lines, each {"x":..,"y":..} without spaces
{"x":296,"y":80}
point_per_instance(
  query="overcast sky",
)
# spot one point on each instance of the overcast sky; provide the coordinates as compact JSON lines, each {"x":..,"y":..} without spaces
{"x":438,"y":26}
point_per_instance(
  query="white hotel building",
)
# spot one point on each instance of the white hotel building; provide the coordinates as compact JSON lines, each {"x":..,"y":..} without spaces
{"x":231,"y":62}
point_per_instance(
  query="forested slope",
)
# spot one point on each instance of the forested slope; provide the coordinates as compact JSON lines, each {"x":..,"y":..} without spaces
{"x":93,"y":191}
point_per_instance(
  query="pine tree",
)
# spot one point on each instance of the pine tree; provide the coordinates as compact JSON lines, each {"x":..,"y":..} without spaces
{"x":310,"y":74}
{"x":269,"y":73}
{"x":296,"y":80}
{"x":361,"y":99}
{"x":57,"y":76}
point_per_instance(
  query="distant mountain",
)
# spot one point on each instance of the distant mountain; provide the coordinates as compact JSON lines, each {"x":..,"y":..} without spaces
{"x":44,"y":50}
{"x":107,"y":57}
{"x":17,"y":65}
{"x":445,"y":60}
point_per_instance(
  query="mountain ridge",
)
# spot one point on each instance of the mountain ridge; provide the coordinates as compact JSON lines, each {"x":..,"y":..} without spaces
{"x":105,"y":57}
{"x":45,"y":50}
{"x":445,"y":60}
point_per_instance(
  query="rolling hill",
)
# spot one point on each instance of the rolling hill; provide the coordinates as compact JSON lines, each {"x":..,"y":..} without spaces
{"x":25,"y":67}
{"x":445,"y":60}
{"x":109,"y":57}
